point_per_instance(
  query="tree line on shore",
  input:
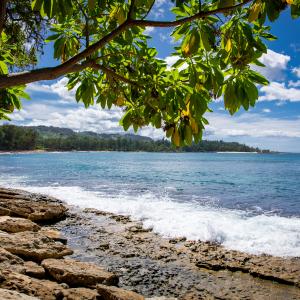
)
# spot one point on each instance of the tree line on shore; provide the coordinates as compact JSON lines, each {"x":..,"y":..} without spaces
{"x":19,"y":138}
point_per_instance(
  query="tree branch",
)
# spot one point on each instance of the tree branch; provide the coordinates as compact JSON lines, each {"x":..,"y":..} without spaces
{"x":115,"y":75}
{"x":131,"y":10}
{"x":199,"y":15}
{"x":72,"y":64}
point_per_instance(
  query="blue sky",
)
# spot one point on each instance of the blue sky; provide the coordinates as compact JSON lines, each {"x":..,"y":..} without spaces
{"x":274,"y":123}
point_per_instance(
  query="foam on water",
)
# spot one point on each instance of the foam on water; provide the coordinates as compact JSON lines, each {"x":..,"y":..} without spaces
{"x":275,"y":235}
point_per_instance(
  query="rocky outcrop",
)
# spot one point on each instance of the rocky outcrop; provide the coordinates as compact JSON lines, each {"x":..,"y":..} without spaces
{"x":34,"y":270}
{"x":80,"y":294}
{"x":32,"y":206}
{"x":43,"y":289}
{"x":33,"y":246}
{"x":13,"y":225}
{"x":13,"y":295}
{"x":114,"y":293}
{"x":33,"y":263}
{"x":12,"y":262}
{"x":216,"y":257}
{"x":77,"y":273}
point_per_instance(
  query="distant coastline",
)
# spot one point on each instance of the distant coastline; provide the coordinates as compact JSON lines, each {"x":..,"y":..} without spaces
{"x":38,"y":139}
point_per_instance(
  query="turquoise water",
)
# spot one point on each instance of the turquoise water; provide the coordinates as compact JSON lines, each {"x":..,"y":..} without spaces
{"x":249,"y":202}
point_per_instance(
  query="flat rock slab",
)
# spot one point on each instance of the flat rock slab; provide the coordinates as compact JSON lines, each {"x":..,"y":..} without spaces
{"x":11,"y":262}
{"x":13,"y":295}
{"x":32,"y":206}
{"x":114,"y":293}
{"x":77,"y":273}
{"x":80,"y":294}
{"x":33,"y":246}
{"x":215,"y":257}
{"x":13,"y":225}
{"x":34,"y":270}
{"x":42,"y":289}
{"x":54,"y":235}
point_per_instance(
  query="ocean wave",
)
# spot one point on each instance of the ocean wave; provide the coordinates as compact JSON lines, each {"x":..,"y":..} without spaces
{"x":235,"y":229}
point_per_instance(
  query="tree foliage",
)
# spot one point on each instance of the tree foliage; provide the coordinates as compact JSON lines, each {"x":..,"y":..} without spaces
{"x":102,"y":48}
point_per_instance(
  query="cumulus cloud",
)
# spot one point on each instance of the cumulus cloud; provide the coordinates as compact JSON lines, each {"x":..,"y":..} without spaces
{"x":279,"y":91}
{"x":57,"y":88}
{"x":252,"y":125}
{"x":276,"y":64}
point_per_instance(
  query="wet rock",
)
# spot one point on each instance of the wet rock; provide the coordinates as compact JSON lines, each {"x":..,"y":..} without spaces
{"x":13,"y":295}
{"x":43,"y":289}
{"x":216,"y":257}
{"x":32,"y":206}
{"x":114,"y":293}
{"x":77,"y":273}
{"x":11,"y":262}
{"x":33,"y":246}
{"x":80,"y":294}
{"x":34,"y":270}
{"x":14,"y":225}
{"x":54,"y":235}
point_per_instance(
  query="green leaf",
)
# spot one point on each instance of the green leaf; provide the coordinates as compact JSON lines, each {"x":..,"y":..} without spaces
{"x":3,"y":68}
{"x":258,"y":78}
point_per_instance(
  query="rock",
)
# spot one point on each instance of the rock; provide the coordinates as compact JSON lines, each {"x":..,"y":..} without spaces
{"x":80,"y":294}
{"x":54,"y":235}
{"x":34,"y":270}
{"x":33,"y":246}
{"x":13,"y":225}
{"x":11,"y":262}
{"x":216,"y":257}
{"x":161,"y":298}
{"x":12,"y":295}
{"x":43,"y":289}
{"x":32,"y":206}
{"x":114,"y":293}
{"x":77,"y":273}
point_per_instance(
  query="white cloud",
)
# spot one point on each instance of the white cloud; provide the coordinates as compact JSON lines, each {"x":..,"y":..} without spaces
{"x":58,"y":88}
{"x":276,"y":64}
{"x":266,"y":110}
{"x":294,"y":83}
{"x":171,"y":60}
{"x":296,"y":71}
{"x":279,"y":91}
{"x":252,"y":125}
{"x":149,"y":30}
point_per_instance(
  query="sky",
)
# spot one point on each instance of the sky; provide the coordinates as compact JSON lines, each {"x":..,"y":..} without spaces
{"x":273,"y":124}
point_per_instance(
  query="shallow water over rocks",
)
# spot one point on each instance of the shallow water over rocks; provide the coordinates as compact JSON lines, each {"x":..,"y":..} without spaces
{"x":155,"y":266}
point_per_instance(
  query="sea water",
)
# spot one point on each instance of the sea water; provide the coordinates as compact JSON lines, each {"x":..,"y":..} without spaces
{"x":248,"y":202}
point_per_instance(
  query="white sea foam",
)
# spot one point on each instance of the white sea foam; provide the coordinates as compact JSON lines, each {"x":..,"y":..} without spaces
{"x":275,"y":235}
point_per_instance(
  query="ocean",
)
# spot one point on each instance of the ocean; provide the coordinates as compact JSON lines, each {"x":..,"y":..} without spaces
{"x":247,"y":202}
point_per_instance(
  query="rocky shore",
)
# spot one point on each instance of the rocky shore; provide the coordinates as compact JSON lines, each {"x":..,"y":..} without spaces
{"x":51,"y":251}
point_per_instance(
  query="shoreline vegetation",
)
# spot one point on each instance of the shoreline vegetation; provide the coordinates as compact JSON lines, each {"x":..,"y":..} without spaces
{"x":52,"y":251}
{"x":54,"y":139}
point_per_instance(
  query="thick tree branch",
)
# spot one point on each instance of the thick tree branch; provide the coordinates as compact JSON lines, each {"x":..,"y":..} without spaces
{"x":73,"y":63}
{"x":39,"y":74}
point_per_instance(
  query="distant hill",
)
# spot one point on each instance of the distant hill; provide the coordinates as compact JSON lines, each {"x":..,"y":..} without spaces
{"x":18,"y":138}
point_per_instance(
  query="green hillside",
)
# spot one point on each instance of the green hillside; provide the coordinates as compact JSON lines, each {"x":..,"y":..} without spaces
{"x":18,"y":138}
